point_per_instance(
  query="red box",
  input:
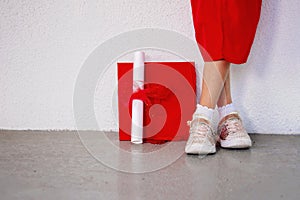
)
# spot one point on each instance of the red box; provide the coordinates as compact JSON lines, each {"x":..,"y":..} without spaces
{"x":169,"y":100}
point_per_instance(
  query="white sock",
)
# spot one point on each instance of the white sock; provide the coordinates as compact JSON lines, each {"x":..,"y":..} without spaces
{"x":225,"y":110}
{"x":204,"y":111}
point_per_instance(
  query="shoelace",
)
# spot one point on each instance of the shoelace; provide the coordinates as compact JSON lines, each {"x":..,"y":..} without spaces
{"x":199,"y":129}
{"x":233,"y":126}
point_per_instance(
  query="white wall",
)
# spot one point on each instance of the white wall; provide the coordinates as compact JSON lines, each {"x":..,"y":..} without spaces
{"x":44,"y":43}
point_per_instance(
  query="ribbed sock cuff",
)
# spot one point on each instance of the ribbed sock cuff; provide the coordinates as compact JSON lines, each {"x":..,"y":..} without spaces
{"x":225,"y":110}
{"x":204,"y":112}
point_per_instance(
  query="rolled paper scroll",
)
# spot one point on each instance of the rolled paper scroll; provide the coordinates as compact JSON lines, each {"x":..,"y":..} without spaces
{"x":137,"y":104}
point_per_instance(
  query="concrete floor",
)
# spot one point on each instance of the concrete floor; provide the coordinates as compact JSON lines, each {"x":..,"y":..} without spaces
{"x":55,"y":165}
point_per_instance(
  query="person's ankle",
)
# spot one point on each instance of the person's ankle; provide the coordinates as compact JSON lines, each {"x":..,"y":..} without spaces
{"x":203,"y":111}
{"x":226,"y":110}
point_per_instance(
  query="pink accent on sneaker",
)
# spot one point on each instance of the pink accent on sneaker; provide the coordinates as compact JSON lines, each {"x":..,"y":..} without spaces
{"x":232,"y":132}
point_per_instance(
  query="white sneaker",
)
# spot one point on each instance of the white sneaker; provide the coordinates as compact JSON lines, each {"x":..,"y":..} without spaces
{"x":202,"y":139}
{"x":232,"y":132}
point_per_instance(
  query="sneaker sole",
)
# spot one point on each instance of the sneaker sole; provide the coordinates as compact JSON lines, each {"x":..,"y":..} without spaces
{"x":200,"y":150}
{"x":236,"y":144}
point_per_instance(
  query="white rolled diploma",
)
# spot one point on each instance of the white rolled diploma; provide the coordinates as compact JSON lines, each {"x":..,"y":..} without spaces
{"x":138,"y":105}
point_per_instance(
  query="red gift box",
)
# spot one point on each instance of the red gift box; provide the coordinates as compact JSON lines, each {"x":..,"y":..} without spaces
{"x":169,"y":97}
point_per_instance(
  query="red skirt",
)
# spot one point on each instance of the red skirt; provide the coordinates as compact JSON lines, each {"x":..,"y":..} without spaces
{"x":225,"y":29}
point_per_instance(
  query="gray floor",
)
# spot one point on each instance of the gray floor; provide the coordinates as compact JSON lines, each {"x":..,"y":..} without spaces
{"x":58,"y":165}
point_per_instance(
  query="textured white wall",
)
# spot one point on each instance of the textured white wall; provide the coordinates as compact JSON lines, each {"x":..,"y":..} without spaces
{"x":44,"y":43}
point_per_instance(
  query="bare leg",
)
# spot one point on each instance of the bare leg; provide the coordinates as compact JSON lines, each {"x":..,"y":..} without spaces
{"x":214,"y":75}
{"x":225,"y":96}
